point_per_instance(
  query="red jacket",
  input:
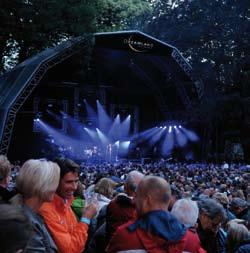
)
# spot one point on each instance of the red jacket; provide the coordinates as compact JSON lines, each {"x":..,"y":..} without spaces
{"x":119,"y":211}
{"x":193,"y":244}
{"x":124,"y":240}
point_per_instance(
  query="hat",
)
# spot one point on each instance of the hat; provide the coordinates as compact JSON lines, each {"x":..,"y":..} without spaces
{"x":238,"y":202}
{"x":221,"y":198}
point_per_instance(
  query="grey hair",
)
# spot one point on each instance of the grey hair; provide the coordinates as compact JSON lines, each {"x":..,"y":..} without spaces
{"x":133,"y":179}
{"x":237,"y":233}
{"x":186,"y":211}
{"x":38,"y":178}
{"x":211,"y":208}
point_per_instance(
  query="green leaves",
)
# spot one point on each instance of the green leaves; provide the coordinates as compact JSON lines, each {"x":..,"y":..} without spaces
{"x":29,"y":26}
{"x":117,"y":15}
{"x":212,"y":35}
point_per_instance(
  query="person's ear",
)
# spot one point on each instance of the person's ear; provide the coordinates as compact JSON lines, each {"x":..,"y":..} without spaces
{"x":201,"y":216}
{"x":5,"y":180}
{"x":125,"y":188}
{"x":149,"y":200}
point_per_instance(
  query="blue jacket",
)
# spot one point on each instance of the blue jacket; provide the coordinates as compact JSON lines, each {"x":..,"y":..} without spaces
{"x":243,"y":247}
{"x":41,"y":240}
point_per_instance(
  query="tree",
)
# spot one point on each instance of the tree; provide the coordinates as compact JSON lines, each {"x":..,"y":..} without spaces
{"x":29,"y":26}
{"x":118,"y":15}
{"x":213,"y":35}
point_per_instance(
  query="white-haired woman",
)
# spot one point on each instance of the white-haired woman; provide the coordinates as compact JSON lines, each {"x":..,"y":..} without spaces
{"x":187,"y":211}
{"x":36,"y":184}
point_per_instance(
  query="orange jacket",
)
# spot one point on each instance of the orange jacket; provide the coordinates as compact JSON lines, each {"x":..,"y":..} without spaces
{"x":69,"y":235}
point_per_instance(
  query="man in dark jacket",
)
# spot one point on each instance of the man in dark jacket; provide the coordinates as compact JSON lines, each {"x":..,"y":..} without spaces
{"x":118,"y":212}
{"x":211,"y":216}
{"x":122,"y":208}
{"x":155,"y":230}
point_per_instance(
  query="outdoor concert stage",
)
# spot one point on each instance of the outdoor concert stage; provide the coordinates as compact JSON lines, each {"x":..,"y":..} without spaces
{"x":60,"y":101}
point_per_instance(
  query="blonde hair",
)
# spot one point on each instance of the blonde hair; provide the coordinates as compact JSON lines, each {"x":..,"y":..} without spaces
{"x":105,"y":186}
{"x":38,"y":178}
{"x":5,"y":167}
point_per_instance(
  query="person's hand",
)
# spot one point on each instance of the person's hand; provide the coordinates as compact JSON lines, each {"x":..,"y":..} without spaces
{"x":90,"y":210}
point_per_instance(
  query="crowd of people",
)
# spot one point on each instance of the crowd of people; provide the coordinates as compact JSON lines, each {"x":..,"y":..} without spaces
{"x":60,"y":206}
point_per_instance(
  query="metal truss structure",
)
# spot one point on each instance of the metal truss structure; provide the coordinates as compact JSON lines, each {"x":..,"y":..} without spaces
{"x":58,"y":54}
{"x":188,"y":70}
{"x":159,"y":63}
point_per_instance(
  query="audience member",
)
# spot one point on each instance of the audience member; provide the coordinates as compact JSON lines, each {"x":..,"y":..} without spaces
{"x":78,"y":202}
{"x":15,"y":229}
{"x":37,"y":183}
{"x":224,"y":201}
{"x":238,"y":239}
{"x":212,"y":236}
{"x":68,"y":234}
{"x":240,"y":208}
{"x":122,"y":208}
{"x":5,"y":176}
{"x":186,"y":211}
{"x":105,"y":190}
{"x":155,"y":230}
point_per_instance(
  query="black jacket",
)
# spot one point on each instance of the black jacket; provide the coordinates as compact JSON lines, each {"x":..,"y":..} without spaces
{"x":5,"y":195}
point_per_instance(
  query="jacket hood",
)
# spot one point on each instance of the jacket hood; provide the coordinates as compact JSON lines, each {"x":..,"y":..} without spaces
{"x":162,"y":224}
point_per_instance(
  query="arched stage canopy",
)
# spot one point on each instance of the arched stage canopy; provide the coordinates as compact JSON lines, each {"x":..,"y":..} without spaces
{"x":132,"y":56}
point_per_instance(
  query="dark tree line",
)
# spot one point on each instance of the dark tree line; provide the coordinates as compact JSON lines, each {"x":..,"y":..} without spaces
{"x":29,"y":26}
{"x":213,"y":35}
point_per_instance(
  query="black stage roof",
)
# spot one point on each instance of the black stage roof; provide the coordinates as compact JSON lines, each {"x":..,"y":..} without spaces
{"x":128,"y":62}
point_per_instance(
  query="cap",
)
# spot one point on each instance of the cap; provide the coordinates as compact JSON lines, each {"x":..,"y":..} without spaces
{"x":238,"y":202}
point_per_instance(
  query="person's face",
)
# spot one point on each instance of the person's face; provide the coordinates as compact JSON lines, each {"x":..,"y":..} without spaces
{"x":68,"y":185}
{"x":236,"y":210}
{"x":208,"y":224}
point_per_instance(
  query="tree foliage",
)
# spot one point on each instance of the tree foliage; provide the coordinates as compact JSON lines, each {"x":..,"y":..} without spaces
{"x":213,"y":35}
{"x":29,"y":26}
{"x":119,"y":14}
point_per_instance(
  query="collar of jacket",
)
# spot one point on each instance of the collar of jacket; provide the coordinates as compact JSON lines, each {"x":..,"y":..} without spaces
{"x":160,"y":223}
{"x":62,"y":203}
